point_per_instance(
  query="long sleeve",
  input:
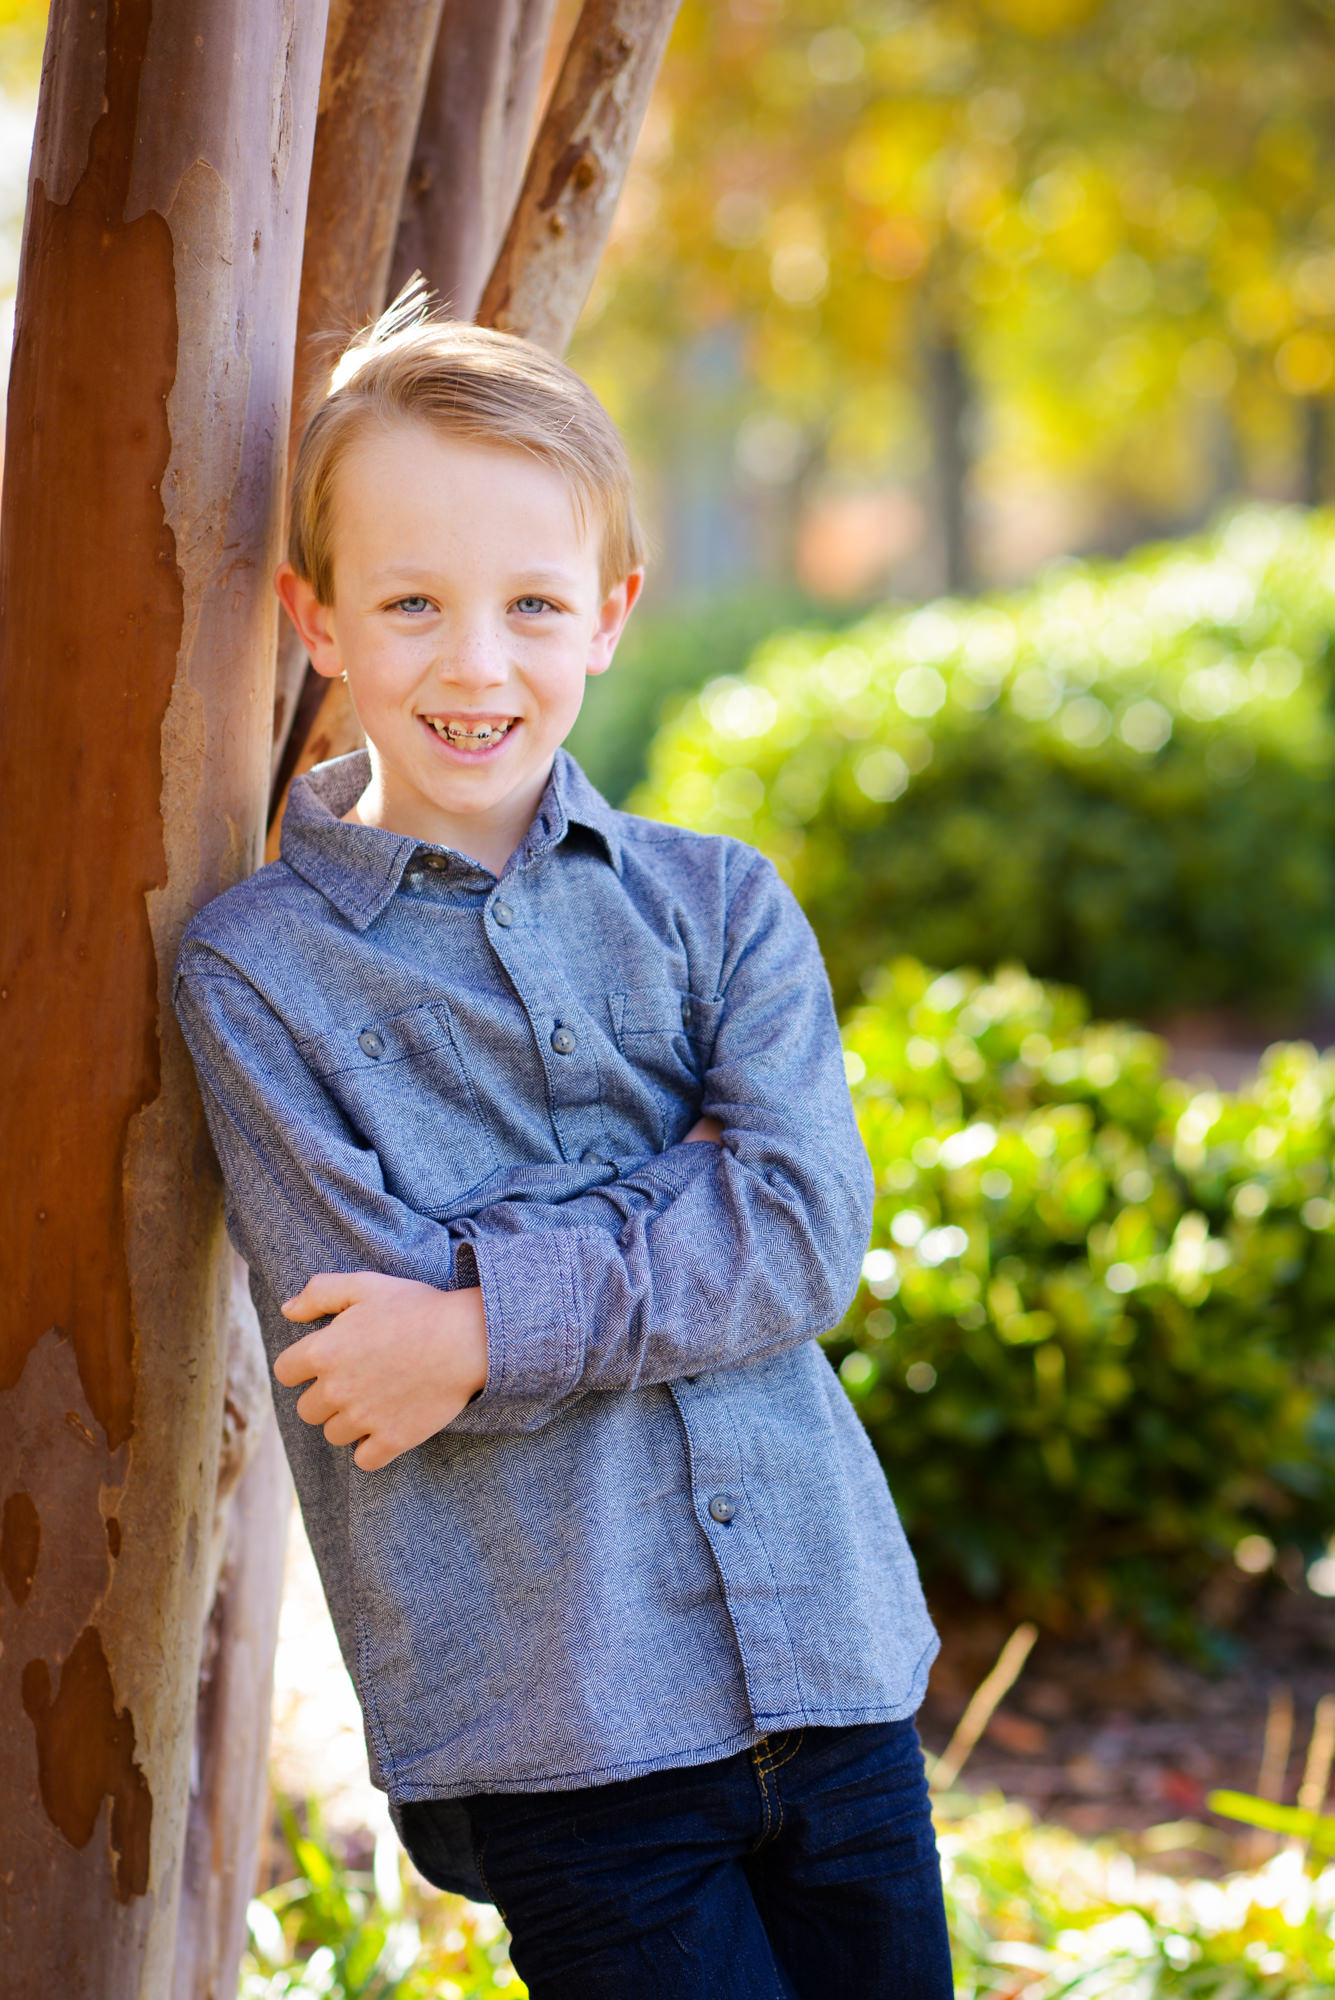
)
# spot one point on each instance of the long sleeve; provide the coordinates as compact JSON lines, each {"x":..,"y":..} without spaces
{"x":304,"y":1193}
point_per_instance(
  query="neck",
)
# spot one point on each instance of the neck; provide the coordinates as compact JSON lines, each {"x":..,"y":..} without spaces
{"x":486,"y":837}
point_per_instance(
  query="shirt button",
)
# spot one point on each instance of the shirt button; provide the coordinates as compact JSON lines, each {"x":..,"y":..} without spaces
{"x":502,"y":912}
{"x":373,"y":1044}
{"x":565,"y":1041}
{"x":722,"y":1507}
{"x":687,"y":1013}
{"x":591,"y":1157}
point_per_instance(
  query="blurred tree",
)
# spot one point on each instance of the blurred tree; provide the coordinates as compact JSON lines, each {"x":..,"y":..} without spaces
{"x":1107,"y":224}
{"x":22,"y":33}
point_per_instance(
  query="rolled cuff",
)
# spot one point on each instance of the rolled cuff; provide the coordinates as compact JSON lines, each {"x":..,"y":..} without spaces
{"x":535,"y":1330}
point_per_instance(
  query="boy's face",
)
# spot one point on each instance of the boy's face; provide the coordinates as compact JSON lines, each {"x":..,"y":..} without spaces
{"x":467,"y":614}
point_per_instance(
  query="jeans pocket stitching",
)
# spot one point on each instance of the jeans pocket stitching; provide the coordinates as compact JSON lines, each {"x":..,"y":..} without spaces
{"x":789,"y":1755}
{"x":760,"y":1762}
{"x":479,"y":1850}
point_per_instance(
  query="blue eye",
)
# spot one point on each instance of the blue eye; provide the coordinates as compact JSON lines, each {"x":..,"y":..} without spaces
{"x":412,"y":605}
{"x":530,"y":605}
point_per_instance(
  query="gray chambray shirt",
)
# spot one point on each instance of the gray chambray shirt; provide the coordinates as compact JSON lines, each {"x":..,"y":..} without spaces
{"x":660,"y":1532}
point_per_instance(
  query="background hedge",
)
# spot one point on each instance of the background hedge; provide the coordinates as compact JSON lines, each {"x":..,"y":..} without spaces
{"x":1095,"y":1341}
{"x":1121,"y":776}
{"x":669,"y":652}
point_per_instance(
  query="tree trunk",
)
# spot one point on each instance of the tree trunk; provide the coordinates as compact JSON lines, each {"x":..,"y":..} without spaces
{"x":576,"y":169}
{"x":468,"y":161}
{"x":949,"y":413}
{"x":547,"y":261}
{"x":1315,"y":426}
{"x":375,"y":68}
{"x":148,"y":414}
{"x":229,"y":1788}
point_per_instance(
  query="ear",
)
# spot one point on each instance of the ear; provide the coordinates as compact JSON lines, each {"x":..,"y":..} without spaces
{"x":312,"y":619}
{"x":612,"y":618}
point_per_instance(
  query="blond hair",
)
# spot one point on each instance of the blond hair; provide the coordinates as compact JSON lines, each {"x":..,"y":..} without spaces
{"x":472,"y":383}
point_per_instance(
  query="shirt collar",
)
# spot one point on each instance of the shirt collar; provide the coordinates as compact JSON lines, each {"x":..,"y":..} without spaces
{"x":359,"y":867}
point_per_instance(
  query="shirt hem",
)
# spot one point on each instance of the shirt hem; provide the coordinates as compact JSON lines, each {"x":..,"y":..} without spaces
{"x":766,"y":1723}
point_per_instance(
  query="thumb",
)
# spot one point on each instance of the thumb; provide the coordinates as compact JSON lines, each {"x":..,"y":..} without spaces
{"x":327,"y":1292}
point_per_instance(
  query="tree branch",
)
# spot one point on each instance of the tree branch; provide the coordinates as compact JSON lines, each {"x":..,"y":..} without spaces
{"x":575,"y":173}
{"x":467,"y":164}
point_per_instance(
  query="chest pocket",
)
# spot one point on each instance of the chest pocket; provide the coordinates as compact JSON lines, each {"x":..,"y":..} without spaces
{"x":402,"y":1083}
{"x":667,"y":1035}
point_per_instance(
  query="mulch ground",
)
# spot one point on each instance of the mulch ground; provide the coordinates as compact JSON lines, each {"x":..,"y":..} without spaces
{"x":1110,"y":1735}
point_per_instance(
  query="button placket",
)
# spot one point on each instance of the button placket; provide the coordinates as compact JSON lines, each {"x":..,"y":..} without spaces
{"x":568,"y":1046}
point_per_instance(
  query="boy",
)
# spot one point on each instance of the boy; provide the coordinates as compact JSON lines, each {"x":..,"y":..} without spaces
{"x":536,"y":1112}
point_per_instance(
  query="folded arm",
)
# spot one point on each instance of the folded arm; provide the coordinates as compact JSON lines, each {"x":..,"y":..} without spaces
{"x":701,"y":1258}
{"x":759,"y":1249}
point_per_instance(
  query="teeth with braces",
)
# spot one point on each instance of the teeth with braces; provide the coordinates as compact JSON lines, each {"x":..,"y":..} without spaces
{"x":485,"y":732}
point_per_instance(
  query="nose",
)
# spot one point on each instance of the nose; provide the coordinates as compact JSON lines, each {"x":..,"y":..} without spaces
{"x":473,"y":657}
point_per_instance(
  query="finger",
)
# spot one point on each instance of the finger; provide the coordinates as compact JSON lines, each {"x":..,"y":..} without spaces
{"x":298,"y":1363}
{"x":343,"y":1429}
{"x":317,"y":1405}
{"x":374,"y":1452}
{"x":327,"y":1292}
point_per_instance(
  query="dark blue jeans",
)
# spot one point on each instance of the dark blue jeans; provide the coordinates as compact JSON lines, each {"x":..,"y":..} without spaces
{"x":801,"y":1869}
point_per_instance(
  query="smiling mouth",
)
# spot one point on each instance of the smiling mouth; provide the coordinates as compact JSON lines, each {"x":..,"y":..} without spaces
{"x":470,"y":735}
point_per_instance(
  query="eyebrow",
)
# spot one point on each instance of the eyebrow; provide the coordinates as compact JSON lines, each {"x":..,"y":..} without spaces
{"x":410,"y":572}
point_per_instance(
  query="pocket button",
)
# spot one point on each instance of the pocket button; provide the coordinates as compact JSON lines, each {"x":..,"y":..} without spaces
{"x":372,"y":1043}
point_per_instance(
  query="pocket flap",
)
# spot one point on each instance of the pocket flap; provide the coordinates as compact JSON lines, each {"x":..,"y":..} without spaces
{"x":665,"y":1010}
{"x":377,"y":1044}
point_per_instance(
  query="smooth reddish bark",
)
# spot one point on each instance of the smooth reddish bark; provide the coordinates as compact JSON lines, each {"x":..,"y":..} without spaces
{"x":148,"y":415}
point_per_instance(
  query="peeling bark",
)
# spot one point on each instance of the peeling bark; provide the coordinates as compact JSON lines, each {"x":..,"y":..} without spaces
{"x":575,"y":172}
{"x":20,"y":1545}
{"x":229,"y":1789}
{"x":148,"y":409}
{"x":85,"y":1754}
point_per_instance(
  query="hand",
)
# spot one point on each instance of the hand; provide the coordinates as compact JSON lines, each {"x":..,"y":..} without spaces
{"x":704,"y":1128}
{"x":397,"y":1363}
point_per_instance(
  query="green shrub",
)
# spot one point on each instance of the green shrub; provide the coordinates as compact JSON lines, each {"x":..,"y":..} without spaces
{"x":1095,"y":1341}
{"x":1035,"y":1911}
{"x":668,"y":652}
{"x":1121,"y":776}
{"x":345,"y":1934}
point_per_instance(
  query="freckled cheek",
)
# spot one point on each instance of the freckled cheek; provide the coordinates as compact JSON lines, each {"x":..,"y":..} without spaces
{"x":395,"y":672}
